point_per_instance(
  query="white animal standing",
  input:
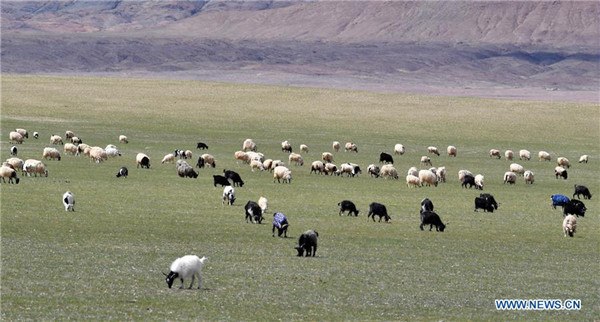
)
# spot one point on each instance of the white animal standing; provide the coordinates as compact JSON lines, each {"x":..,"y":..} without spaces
{"x":68,"y":200}
{"x":185,"y":267}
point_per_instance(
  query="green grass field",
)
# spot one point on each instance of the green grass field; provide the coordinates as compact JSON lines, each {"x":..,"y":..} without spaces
{"x":104,"y":261}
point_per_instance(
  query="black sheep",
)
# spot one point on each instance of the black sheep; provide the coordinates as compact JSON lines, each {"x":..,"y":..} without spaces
{"x":308,"y":243}
{"x":347,"y":205}
{"x":217,"y":179}
{"x":468,"y":180}
{"x":574,"y":207}
{"x":234,"y":176}
{"x":486,"y":202}
{"x":582,"y":190}
{"x":426,"y":205}
{"x":432,"y":219}
{"x":201,"y":146}
{"x":386,"y":158}
{"x":379,"y":210}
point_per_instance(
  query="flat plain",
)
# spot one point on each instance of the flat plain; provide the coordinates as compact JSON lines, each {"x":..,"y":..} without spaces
{"x":104,"y":261}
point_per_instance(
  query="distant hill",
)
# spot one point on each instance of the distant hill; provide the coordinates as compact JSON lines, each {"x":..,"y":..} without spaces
{"x":399,"y":46}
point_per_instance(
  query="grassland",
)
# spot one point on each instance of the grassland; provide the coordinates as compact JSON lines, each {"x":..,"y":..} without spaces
{"x":104,"y":261}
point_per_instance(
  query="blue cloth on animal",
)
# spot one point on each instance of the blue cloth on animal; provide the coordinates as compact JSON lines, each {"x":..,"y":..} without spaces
{"x":279,"y":220}
{"x":559,"y":199}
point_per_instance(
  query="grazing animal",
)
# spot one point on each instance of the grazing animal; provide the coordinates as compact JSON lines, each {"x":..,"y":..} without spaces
{"x":262,"y":203}
{"x":582,"y":190}
{"x":23,"y":133}
{"x":399,"y":149}
{"x":330,"y":168}
{"x":510,"y":177}
{"x":209,"y":159}
{"x":286,"y":147}
{"x":432,"y":219}
{"x":327,"y":157}
{"x":451,"y":151}
{"x":486,"y":202}
{"x":425,"y":160}
{"x":218,"y":179}
{"x":229,"y":195}
{"x":388,"y":171}
{"x":142,"y":160}
{"x":347,"y":205}
{"x":200,"y":163}
{"x":509,"y":155}
{"x":574,"y":207}
{"x":583,"y":159}
{"x":123,"y":172}
{"x":559,"y":200}
{"x":280,"y":223}
{"x":249,"y":145}
{"x":71,"y":148}
{"x":56,"y":139}
{"x":563,"y":162}
{"x":373,"y":170}
{"x":428,"y":177}
{"x":569,"y":225}
{"x":317,"y":167}
{"x":495,"y":153}
{"x":34,"y":166}
{"x":517,"y":169}
{"x":468,"y":180}
{"x":13,"y":150}
{"x":336,"y":146}
{"x":433,"y":150}
{"x":184,"y":170}
{"x":253,"y":212}
{"x":560,"y":172}
{"x":282,"y":172}
{"x":51,"y":153}
{"x":15,"y":137}
{"x":185,"y":267}
{"x":169,"y":158}
{"x":544,"y":156}
{"x":201,"y":146}
{"x":529,"y":177}
{"x":235,"y":178}
{"x":10,"y":173}
{"x":385,"y":158}
{"x":307,"y":243}
{"x":479,"y":181}
{"x":36,"y":135}
{"x":123,"y":139}
{"x":379,"y":210}
{"x":304,"y":148}
{"x":112,"y":151}
{"x":296,"y":158}
{"x":413,"y":181}
{"x":426,"y":205}
{"x":524,"y":154}
{"x":350,"y":147}
{"x":68,"y":200}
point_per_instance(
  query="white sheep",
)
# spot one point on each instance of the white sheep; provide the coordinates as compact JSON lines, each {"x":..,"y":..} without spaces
{"x":510,"y":177}
{"x":98,"y":154}
{"x":543,"y":155}
{"x":336,"y":146}
{"x":56,"y":139}
{"x":282,"y":172}
{"x":399,"y":149}
{"x":267,"y":164}
{"x":517,"y":168}
{"x":68,"y":200}
{"x":524,"y":154}
{"x":262,"y":203}
{"x":256,"y":156}
{"x":296,"y":158}
{"x":15,"y":163}
{"x":495,"y":153}
{"x":509,"y":155}
{"x":428,"y":177}
{"x":69,"y":134}
{"x":209,"y":159}
{"x":350,"y":147}
{"x":584,"y":158}
{"x":413,"y":171}
{"x":441,"y":173}
{"x":330,"y":168}
{"x":51,"y":153}
{"x":433,"y":150}
{"x":23,"y":133}
{"x":348,"y":169}
{"x":286,"y":146}
{"x":569,"y":225}
{"x":412,"y":181}
{"x":563,"y":162}
{"x":71,"y":149}
{"x":425,"y":160}
{"x":84,"y":148}
{"x":255,"y":164}
{"x":479,"y":181}
{"x":463,"y":173}
{"x":168,"y":158}
{"x":187,"y":154}
{"x":304,"y":148}
{"x":327,"y":157}
{"x":185,"y":267}
{"x":31,"y":166}
{"x":529,"y":177}
{"x":123,"y":139}
{"x":249,"y":145}
{"x":241,"y":156}
{"x":451,"y":151}
{"x":10,"y":173}
{"x":229,"y":195}
{"x":317,"y":166}
{"x":560,"y":172}
{"x":142,"y":160}
{"x":276,"y":163}
{"x":387,"y":171}
{"x":15,"y":137}
{"x":112,"y":151}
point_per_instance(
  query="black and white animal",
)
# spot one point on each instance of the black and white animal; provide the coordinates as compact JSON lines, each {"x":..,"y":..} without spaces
{"x":432,"y":219}
{"x":179,"y":154}
{"x":560,"y":172}
{"x":582,"y":190}
{"x":347,"y":205}
{"x":36,"y":135}
{"x":218,"y":179}
{"x":68,"y":200}
{"x":574,"y":207}
{"x":235,"y":177}
{"x":486,"y":202}
{"x":280,"y":223}
{"x":308,"y":243}
{"x":379,"y":210}
{"x":426,"y":205}
{"x":200,"y":163}
{"x":201,"y":146}
{"x":559,"y":200}
{"x":229,"y":195}
{"x":184,"y":170}
{"x":13,"y":150}
{"x":123,"y":172}
{"x":385,"y":158}
{"x":185,"y":267}
{"x":468,"y":180}
{"x":253,"y":212}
